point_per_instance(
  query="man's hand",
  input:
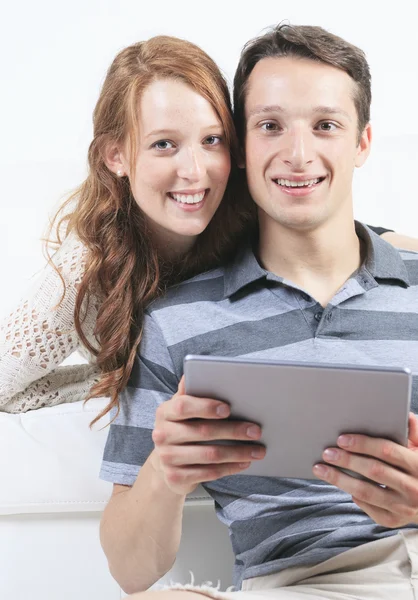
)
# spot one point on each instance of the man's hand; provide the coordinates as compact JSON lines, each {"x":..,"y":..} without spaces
{"x":384,"y":462}
{"x":184,"y":421}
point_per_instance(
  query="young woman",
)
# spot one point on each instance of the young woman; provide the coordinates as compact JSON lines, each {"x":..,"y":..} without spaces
{"x":163,"y":157}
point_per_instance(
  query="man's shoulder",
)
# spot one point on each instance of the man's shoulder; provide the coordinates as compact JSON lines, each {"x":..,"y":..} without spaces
{"x":204,"y":287}
{"x":410,"y":260}
{"x":408,"y":254}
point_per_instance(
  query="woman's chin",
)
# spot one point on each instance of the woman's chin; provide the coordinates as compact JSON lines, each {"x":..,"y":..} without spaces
{"x":191,"y":230}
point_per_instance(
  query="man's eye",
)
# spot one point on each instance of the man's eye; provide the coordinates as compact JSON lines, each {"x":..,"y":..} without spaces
{"x":213,"y":140}
{"x":327,"y":126}
{"x":269,"y":126}
{"x":163,"y":145}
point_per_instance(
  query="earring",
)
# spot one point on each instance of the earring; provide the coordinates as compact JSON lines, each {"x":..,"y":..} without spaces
{"x":119,"y":173}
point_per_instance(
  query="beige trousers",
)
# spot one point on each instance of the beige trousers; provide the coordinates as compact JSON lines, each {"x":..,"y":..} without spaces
{"x":383,"y":570}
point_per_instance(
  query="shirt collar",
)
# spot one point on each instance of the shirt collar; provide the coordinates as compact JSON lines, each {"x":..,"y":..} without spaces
{"x":242,"y":271}
{"x":383,"y":261}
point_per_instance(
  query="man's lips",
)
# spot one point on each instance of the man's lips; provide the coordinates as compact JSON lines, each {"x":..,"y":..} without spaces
{"x":298,"y":186}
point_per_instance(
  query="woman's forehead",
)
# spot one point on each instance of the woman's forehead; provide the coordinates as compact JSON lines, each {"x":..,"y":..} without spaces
{"x":170,"y":103}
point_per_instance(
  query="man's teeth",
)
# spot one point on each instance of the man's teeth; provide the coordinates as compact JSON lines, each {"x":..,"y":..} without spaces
{"x":188,"y":198}
{"x":288,"y":183}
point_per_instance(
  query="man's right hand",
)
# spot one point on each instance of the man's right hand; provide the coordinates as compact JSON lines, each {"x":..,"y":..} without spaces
{"x":184,"y":421}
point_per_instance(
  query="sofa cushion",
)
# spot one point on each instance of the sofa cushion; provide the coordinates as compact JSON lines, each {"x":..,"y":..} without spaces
{"x":50,"y":461}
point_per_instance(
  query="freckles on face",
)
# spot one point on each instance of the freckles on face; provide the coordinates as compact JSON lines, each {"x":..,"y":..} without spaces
{"x":183,"y":162}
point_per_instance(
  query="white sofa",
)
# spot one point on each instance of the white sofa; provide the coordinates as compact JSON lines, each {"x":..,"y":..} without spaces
{"x":51,"y":501}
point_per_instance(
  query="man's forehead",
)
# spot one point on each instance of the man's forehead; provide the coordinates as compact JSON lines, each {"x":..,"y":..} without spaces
{"x":276,"y":82}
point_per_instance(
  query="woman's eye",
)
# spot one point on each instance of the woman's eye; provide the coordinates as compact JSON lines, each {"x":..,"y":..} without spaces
{"x":163,"y":145}
{"x":327,"y":126}
{"x":213,"y":140}
{"x":269,"y":126}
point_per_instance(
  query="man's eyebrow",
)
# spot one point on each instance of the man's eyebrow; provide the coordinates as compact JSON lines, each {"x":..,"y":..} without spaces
{"x":320,"y":110}
{"x":261,"y":109}
{"x":332,"y":110}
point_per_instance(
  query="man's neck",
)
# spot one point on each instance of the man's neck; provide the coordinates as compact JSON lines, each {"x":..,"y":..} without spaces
{"x":319,"y":261}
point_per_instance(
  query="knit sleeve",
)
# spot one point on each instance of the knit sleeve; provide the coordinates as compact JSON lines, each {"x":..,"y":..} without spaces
{"x":39,"y":334}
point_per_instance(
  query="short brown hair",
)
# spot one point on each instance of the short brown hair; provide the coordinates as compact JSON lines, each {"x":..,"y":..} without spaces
{"x":304,"y":41}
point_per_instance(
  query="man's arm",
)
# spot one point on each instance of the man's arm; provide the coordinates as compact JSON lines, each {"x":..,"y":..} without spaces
{"x":141,"y":526}
{"x":140,"y":530}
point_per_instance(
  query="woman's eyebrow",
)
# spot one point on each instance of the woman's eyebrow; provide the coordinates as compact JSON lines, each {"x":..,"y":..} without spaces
{"x":169,"y":131}
{"x":161,"y":132}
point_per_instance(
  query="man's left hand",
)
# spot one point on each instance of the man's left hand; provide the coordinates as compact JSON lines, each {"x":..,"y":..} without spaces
{"x":392,"y":501}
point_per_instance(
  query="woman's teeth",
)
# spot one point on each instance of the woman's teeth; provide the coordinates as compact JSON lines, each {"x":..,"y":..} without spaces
{"x":288,"y":183}
{"x":188,"y":198}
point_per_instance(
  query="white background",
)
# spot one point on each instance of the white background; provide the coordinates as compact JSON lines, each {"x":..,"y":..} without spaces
{"x":53,"y":58}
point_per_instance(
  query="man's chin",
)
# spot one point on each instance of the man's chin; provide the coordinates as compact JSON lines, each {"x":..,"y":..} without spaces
{"x":303,"y":221}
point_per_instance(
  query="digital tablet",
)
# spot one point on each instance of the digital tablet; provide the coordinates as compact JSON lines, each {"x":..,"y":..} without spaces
{"x":303,"y":407}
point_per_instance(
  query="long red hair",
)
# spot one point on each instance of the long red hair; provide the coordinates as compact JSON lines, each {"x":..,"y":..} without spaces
{"x":124,"y":270}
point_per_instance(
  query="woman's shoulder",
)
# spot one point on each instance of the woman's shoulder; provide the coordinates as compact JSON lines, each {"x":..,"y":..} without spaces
{"x":71,"y":255}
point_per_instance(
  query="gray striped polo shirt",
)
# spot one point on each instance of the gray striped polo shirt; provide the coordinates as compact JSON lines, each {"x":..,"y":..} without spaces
{"x":243,"y":310}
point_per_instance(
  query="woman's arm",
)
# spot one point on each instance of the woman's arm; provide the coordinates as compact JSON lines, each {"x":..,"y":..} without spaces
{"x":39,"y":334}
{"x":401,"y":241}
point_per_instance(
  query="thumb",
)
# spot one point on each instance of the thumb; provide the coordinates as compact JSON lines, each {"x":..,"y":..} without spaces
{"x":181,"y":390}
{"x":413,"y":431}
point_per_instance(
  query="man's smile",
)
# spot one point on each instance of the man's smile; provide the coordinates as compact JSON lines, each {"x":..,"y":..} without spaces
{"x":298,"y":186}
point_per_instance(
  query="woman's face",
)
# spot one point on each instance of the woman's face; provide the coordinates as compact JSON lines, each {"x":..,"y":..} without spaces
{"x":182,"y":164}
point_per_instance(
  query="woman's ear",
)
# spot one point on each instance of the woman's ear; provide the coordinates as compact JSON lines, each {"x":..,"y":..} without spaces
{"x":115,"y":159}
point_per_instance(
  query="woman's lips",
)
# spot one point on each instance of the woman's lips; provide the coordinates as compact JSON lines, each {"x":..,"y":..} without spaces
{"x":187,"y":202}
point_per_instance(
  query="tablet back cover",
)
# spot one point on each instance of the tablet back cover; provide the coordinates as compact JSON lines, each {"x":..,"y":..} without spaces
{"x":303,"y":408}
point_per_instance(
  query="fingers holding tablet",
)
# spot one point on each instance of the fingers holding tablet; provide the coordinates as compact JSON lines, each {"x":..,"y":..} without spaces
{"x":390,"y":493}
{"x":303,"y":408}
{"x":195,"y":442}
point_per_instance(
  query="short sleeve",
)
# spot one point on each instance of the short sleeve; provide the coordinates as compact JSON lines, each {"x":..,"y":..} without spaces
{"x":152,"y":381}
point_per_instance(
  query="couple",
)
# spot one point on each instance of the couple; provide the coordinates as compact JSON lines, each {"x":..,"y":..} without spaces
{"x":148,"y":215}
{"x":311,"y":285}
{"x":165,"y":200}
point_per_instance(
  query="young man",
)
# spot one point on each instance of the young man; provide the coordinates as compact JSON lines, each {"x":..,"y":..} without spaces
{"x":316,"y":287}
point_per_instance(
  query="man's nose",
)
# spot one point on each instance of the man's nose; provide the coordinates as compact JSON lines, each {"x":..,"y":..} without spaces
{"x":298,"y":149}
{"x":191,"y":165}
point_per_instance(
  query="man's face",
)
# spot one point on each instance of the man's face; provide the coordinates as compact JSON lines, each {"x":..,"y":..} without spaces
{"x":301,"y":141}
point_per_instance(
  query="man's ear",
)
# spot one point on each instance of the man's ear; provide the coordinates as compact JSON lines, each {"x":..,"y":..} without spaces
{"x":115,"y":160}
{"x":363,"y":148}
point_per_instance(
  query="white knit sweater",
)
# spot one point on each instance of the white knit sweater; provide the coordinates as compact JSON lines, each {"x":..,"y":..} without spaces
{"x":37,"y":336}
